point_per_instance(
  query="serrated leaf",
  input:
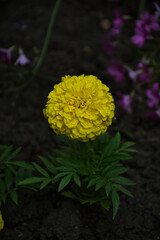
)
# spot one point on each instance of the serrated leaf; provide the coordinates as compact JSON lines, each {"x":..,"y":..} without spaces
{"x":8,"y":178}
{"x":41,"y":170}
{"x":48,"y":165}
{"x":45,"y":183}
{"x":122,"y":189}
{"x":108,"y":189}
{"x":122,"y":156}
{"x":112,"y":145}
{"x":116,"y":172}
{"x":127,"y":144}
{"x":59,"y":175}
{"x":14,"y":196}
{"x":31,"y":180}
{"x":19,"y":175}
{"x":105,"y":204}
{"x":5,"y":153}
{"x":115,"y":202}
{"x":69,"y":194}
{"x":122,"y":180}
{"x":64,"y":182}
{"x":100,"y":184}
{"x":11,"y":156}
{"x":22,"y":164}
{"x":117,"y":140}
{"x":93,"y":181}
{"x":77,"y":179}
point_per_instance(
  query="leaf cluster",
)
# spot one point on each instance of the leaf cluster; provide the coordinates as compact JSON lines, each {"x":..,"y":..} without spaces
{"x":91,"y":172}
{"x":11,"y":172}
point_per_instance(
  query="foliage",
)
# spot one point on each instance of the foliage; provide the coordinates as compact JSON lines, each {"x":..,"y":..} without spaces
{"x":90,"y":172}
{"x":11,"y":173}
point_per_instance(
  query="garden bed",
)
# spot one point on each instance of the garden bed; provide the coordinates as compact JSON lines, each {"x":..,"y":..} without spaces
{"x":75,"y":48}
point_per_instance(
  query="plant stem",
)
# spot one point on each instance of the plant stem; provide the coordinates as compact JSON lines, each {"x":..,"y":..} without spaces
{"x":48,"y":36}
{"x":142,"y":5}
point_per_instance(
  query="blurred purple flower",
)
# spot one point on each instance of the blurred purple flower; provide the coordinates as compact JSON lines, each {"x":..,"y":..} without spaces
{"x":116,"y":70}
{"x":133,"y":74}
{"x":146,"y":72}
{"x":108,"y":46}
{"x":149,"y":22}
{"x":153,"y":95}
{"x":125,"y":101}
{"x":117,"y":22}
{"x":143,"y":28}
{"x":22,"y":59}
{"x":6,"y":54}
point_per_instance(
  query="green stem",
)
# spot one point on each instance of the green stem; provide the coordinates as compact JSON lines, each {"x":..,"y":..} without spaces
{"x":142,"y":6}
{"x":48,"y":36}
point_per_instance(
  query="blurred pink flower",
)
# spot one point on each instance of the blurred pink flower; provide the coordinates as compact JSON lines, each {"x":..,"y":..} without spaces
{"x":22,"y":59}
{"x":153,"y":95}
{"x":117,"y":22}
{"x":125,"y":101}
{"x":116,"y":70}
{"x":108,"y":46}
{"x":6,"y":54}
{"x":146,"y":72}
{"x":143,"y":28}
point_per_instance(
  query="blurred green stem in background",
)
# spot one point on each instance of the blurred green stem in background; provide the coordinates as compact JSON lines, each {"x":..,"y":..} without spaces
{"x":142,"y":6}
{"x":47,"y":38}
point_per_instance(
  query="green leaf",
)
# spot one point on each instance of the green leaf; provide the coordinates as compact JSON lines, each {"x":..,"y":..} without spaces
{"x":122,"y":189}
{"x":64,"y":182}
{"x":115,"y":202}
{"x":77,"y":179}
{"x":93,"y":181}
{"x":5,"y":153}
{"x":122,"y":180}
{"x":22,"y":164}
{"x":127,"y":144}
{"x":41,"y":170}
{"x":45,"y":183}
{"x":19,"y":175}
{"x":11,"y":156}
{"x":116,"y":172}
{"x":100,"y":184}
{"x":8,"y":178}
{"x":69,"y":194}
{"x":14,"y":196}
{"x":112,"y":146}
{"x":105,"y":204}
{"x":117,"y":139}
{"x":31,"y":180}
{"x":122,"y":156}
{"x":59,"y":175}
{"x":48,"y":165}
{"x":108,"y":189}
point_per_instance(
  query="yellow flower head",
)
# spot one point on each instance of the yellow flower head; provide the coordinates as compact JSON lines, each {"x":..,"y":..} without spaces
{"x":80,"y":107}
{"x":1,"y":222}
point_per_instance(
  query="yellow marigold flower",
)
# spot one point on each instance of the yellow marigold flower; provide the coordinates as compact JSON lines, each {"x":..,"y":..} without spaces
{"x":1,"y":222}
{"x":80,"y":107}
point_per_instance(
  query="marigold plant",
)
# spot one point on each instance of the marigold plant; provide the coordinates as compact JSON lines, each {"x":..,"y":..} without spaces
{"x":90,"y":171}
{"x":80,"y":107}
